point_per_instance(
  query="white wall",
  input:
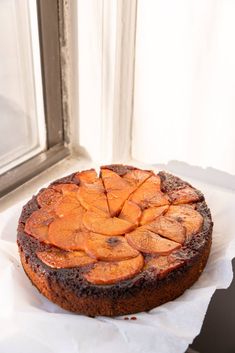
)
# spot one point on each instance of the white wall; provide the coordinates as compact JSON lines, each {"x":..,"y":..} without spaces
{"x":184,"y":102}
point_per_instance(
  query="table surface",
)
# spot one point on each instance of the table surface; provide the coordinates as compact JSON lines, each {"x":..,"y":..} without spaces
{"x":218,"y":330}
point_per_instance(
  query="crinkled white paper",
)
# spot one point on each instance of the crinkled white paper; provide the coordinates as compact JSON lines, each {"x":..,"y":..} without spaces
{"x":30,"y":323}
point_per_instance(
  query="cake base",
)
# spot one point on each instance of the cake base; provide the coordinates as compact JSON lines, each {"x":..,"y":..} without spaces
{"x":143,"y":300}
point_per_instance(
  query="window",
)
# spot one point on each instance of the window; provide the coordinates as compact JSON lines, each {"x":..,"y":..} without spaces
{"x":31,"y":125}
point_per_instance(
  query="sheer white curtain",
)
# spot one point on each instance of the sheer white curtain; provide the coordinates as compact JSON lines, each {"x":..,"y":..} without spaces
{"x":184,"y":100}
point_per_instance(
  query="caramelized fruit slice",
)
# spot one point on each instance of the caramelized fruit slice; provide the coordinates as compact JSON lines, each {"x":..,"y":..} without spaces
{"x":66,"y":205}
{"x":163,"y":264}
{"x":118,"y":190}
{"x":187,"y":216}
{"x":103,"y":247}
{"x":149,"y":194}
{"x":185,"y":195}
{"x":146,"y":241}
{"x":168,"y":228}
{"x":91,"y":193}
{"x":57,"y":258}
{"x":87,"y":176}
{"x":136,"y":177}
{"x":66,"y":189}
{"x":68,"y":232}
{"x":130,"y":212}
{"x":152,"y":213}
{"x":112,"y":272}
{"x":38,"y":223}
{"x":48,"y":197}
{"x":98,"y":223}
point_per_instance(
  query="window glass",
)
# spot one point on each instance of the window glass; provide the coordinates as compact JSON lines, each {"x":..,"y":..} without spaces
{"x":22,"y":126}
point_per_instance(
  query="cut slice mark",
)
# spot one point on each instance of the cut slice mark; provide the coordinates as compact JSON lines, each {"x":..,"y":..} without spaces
{"x":150,"y":214}
{"x":146,"y":241}
{"x":130,"y":212}
{"x":92,"y":196}
{"x":105,"y":192}
{"x":168,"y":228}
{"x":119,"y":188}
{"x":149,"y":194}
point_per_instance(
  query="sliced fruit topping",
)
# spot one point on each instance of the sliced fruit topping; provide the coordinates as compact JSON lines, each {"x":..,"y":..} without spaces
{"x":146,"y":241}
{"x":187,"y":216}
{"x":112,"y":272}
{"x":152,"y":213}
{"x":136,"y":177}
{"x":163,"y":264}
{"x":68,"y":232}
{"x":66,"y":205}
{"x":184,"y":195}
{"x":48,"y":197}
{"x":168,"y":228}
{"x":149,"y":194}
{"x":57,"y":258}
{"x":98,"y":223}
{"x":91,"y":193}
{"x":66,"y":189}
{"x":38,"y":223}
{"x":103,"y":247}
{"x":130,"y":212}
{"x":87,"y":176}
{"x":118,"y":190}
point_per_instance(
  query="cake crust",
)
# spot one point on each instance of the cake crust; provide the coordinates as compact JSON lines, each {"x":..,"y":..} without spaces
{"x":69,"y":289}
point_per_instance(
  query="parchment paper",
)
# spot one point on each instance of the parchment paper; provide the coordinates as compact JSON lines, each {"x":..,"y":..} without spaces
{"x":30,"y":323}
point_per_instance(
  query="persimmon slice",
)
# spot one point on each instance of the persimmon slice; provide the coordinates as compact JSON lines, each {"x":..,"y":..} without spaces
{"x":118,"y":190}
{"x":68,"y":232}
{"x":187,"y":216}
{"x":146,"y":241}
{"x":98,"y":223}
{"x":38,"y":223}
{"x":112,"y":272}
{"x":48,"y":197}
{"x":152,"y":213}
{"x":91,"y":193}
{"x":66,"y":189}
{"x":130,"y":212}
{"x":149,"y":194}
{"x":168,"y":228}
{"x":184,"y":195}
{"x":136,"y":177}
{"x":57,"y":258}
{"x":86,"y":176}
{"x":66,"y":205}
{"x":113,"y":248}
{"x":163,"y":264}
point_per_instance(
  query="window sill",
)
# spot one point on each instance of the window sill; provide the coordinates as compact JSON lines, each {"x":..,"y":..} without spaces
{"x":58,"y":170}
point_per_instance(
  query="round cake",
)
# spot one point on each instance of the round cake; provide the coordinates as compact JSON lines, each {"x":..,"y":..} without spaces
{"x":121,"y":242}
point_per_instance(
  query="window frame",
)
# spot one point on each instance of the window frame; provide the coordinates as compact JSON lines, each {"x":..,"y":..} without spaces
{"x":50,"y":26}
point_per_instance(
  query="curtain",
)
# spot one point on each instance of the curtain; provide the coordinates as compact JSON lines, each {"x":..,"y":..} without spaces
{"x":184,"y":93}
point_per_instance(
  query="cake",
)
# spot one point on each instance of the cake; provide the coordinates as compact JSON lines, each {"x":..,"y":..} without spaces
{"x":121,"y":242}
